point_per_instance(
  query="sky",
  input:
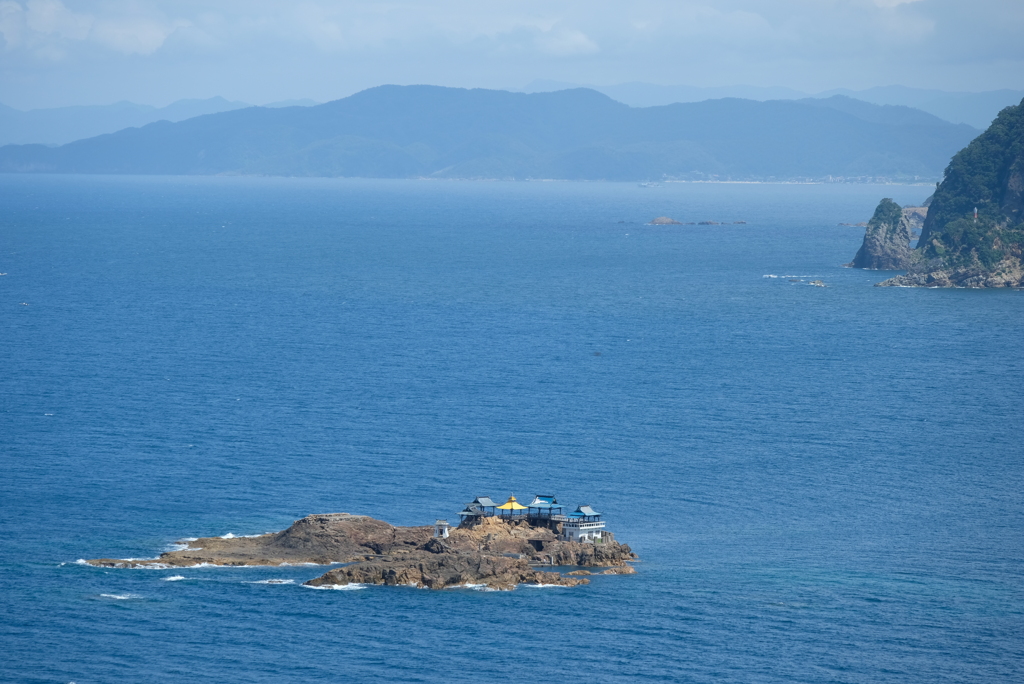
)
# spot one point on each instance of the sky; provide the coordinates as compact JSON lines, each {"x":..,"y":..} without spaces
{"x":67,"y":52}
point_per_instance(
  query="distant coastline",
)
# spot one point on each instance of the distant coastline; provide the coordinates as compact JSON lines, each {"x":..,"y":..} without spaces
{"x":579,"y":134}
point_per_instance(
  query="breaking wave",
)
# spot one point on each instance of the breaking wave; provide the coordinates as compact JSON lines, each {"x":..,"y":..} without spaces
{"x":271,"y":581}
{"x":544,"y":586}
{"x":339,"y":587}
{"x":174,"y":578}
{"x":120,"y":597}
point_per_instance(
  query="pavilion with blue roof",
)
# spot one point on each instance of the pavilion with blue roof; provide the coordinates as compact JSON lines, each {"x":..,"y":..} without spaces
{"x":583,"y":525}
{"x":544,"y":506}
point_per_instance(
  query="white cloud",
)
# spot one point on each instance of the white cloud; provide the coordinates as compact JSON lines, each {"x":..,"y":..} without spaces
{"x":564,"y":42}
{"x":893,"y":3}
{"x":131,"y":35}
{"x":261,"y":50}
{"x":48,"y":29}
{"x":52,"y":17}
{"x":12,"y":24}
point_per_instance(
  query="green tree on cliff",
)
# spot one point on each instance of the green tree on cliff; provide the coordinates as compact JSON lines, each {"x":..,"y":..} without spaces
{"x":988,"y":175}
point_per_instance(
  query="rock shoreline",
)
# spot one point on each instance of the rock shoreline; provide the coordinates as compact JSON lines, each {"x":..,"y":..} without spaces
{"x":972,"y":234}
{"x":490,"y":551}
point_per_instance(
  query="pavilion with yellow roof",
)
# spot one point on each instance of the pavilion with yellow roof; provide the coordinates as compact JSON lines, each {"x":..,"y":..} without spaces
{"x":582,"y":525}
{"x":511,"y":507}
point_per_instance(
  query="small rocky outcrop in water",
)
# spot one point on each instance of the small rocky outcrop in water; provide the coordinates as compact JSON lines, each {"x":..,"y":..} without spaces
{"x":665,"y":221}
{"x":886,"y":245}
{"x":489,"y":551}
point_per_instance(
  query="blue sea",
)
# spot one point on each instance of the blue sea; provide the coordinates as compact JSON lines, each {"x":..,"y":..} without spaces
{"x":823,"y":484}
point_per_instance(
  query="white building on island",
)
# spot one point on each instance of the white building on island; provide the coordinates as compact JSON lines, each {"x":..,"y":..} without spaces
{"x":583,"y":525}
{"x":441,"y":529}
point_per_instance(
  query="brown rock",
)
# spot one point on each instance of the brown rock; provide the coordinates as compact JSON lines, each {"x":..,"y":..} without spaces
{"x":886,"y":245}
{"x":487,"y":551}
{"x":322,"y":538}
{"x":1009,"y":272}
{"x":607,"y":553}
{"x":665,"y":221}
{"x":437,"y":571}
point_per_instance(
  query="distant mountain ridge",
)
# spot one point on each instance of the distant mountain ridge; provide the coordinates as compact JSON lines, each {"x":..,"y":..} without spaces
{"x":430,"y":131}
{"x":65,"y":124}
{"x":974,"y":109}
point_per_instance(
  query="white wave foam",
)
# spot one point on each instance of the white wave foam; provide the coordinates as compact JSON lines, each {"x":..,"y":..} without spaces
{"x":121,"y":597}
{"x":174,"y":578}
{"x":272,"y":581}
{"x":190,"y":539}
{"x":772,"y":275}
{"x":339,"y":587}
{"x":474,"y":587}
{"x":544,"y":586}
{"x":165,"y":566}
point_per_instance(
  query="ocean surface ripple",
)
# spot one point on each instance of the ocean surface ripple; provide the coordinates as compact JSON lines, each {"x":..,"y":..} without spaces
{"x":824,"y":484}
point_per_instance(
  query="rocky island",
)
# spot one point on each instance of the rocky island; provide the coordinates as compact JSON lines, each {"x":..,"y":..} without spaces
{"x":888,"y":235}
{"x":493,"y":546}
{"x":973,"y":231}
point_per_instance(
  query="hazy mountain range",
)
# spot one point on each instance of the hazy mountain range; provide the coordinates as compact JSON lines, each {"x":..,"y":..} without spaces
{"x":429,"y":131}
{"x":974,"y":109}
{"x":61,"y":125}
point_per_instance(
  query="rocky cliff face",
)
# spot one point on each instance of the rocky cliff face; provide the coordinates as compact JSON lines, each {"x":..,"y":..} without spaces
{"x":322,"y":539}
{"x":1007,"y":272}
{"x":440,"y":570}
{"x":886,"y":245}
{"x":490,"y":551}
{"x":973,"y":235}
